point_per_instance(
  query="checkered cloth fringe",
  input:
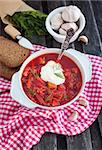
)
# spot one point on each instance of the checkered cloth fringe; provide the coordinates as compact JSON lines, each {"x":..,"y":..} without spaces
{"x":21,"y":127}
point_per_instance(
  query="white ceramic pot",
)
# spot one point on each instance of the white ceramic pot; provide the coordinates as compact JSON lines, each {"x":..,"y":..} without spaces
{"x":58,"y":37}
{"x":81,"y":60}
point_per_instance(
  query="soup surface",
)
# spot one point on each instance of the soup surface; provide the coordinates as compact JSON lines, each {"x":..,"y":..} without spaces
{"x":46,"y":93}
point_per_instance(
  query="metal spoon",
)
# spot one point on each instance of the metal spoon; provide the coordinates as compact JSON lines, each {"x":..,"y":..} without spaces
{"x":65,"y":44}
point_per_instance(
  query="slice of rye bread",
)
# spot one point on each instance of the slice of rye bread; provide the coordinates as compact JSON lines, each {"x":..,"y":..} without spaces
{"x":11,"y":53}
{"x":7,"y":72}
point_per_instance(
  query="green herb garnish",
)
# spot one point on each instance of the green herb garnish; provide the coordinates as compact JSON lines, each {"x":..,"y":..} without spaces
{"x":30,"y":22}
{"x":35,"y":74}
{"x":58,"y":71}
{"x":33,"y":93}
{"x":65,"y":96}
{"x":47,"y":99}
{"x":59,"y":75}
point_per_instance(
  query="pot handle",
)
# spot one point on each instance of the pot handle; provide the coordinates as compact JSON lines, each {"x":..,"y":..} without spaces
{"x":16,"y":93}
{"x":85,"y":62}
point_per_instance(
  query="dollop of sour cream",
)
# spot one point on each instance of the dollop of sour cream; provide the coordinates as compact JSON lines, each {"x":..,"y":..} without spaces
{"x":52,"y":72}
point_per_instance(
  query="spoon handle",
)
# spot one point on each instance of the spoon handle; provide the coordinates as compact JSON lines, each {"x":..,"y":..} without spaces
{"x":65,"y":44}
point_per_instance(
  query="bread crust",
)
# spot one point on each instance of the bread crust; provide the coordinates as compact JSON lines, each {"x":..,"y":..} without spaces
{"x":7,"y":72}
{"x":11,"y":53}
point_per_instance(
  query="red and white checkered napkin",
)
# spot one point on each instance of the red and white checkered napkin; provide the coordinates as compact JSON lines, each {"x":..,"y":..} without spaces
{"x":21,"y":127}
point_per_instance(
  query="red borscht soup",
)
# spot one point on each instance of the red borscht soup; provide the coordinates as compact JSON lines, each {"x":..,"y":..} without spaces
{"x":46,"y":93}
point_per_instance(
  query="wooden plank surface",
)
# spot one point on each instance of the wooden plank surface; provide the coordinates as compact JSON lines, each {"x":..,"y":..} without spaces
{"x":80,"y":142}
{"x":91,"y":31}
{"x":97,"y":6}
{"x":91,"y":139}
{"x":94,"y":47}
{"x":86,"y":140}
{"x":47,"y":142}
{"x":98,"y":16}
{"x":96,"y":136}
{"x":100,"y":122}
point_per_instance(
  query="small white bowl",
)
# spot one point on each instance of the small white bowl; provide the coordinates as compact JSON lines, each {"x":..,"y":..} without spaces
{"x":81,"y":60}
{"x":58,"y":37}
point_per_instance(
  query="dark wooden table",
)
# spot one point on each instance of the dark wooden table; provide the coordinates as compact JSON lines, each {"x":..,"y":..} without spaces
{"x":91,"y":139}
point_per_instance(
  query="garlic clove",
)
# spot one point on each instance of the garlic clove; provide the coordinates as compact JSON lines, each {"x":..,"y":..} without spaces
{"x":73,"y":116}
{"x":83,"y":102}
{"x":62,"y":31}
{"x":67,"y":26}
{"x":83,"y":39}
{"x":56,"y":21}
{"x":71,"y":14}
